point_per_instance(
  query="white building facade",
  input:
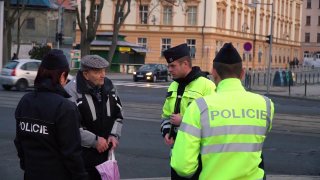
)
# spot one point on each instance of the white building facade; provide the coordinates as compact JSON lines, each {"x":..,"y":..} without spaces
{"x":205,"y":25}
{"x":311,"y":26}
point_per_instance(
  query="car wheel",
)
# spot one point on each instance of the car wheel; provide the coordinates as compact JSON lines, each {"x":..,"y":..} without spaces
{"x":6,"y":87}
{"x":154,"y":79}
{"x":22,"y":85}
{"x":167,"y":78}
{"x":135,"y":79}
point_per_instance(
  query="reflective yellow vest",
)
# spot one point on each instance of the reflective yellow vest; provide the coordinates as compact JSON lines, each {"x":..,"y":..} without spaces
{"x":228,"y":130}
{"x":197,"y":88}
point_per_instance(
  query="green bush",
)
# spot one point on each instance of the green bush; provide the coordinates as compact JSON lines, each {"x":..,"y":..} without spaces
{"x":38,"y":52}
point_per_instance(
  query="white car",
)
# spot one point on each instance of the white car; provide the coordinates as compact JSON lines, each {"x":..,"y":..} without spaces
{"x":20,"y":74}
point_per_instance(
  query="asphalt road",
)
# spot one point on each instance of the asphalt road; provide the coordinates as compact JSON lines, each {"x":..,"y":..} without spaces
{"x":293,"y":146}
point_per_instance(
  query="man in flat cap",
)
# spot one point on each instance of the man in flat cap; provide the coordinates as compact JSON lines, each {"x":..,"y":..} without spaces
{"x":227,"y":128}
{"x":47,"y":126}
{"x":188,"y":85}
{"x":101,"y":111}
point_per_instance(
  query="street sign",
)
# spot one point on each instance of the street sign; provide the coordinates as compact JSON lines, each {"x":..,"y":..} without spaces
{"x":247,"y":46}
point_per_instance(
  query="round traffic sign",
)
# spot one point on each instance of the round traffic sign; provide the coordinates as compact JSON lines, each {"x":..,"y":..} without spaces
{"x":247,"y":46}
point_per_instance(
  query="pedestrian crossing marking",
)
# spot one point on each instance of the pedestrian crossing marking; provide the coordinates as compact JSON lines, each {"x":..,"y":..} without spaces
{"x":137,"y":84}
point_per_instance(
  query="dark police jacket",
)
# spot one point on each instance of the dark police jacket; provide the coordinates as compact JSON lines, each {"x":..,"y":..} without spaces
{"x":47,"y":135}
{"x":101,"y":113}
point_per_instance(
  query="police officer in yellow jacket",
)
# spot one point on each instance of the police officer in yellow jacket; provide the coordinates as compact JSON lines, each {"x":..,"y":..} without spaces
{"x":189,"y":84}
{"x":227,"y":128}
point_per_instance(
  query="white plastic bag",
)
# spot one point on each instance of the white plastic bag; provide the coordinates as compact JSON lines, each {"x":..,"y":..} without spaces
{"x":109,"y":169}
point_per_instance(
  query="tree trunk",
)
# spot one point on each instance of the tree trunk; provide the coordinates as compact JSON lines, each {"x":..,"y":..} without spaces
{"x":113,"y":46}
{"x":7,"y":44}
{"x":84,"y":45}
{"x":5,"y":47}
{"x":18,"y":37}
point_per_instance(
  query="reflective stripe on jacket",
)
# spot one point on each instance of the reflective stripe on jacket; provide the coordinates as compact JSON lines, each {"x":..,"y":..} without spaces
{"x":195,"y":89}
{"x":228,"y":130}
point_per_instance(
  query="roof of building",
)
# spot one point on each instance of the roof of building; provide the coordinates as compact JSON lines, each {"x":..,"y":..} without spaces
{"x":53,"y":4}
{"x":67,"y":4}
{"x":133,"y":46}
{"x":41,"y":3}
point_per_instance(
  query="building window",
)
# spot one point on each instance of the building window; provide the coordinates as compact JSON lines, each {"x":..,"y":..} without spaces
{"x":167,"y":15}
{"x":30,"y":23}
{"x":308,"y":20}
{"x":166,"y":44}
{"x":318,"y":37}
{"x":232,"y":21}
{"x":318,"y":20}
{"x":95,"y":14}
{"x":307,"y":37}
{"x":142,"y":42}
{"x":308,"y":4}
{"x":120,"y":14}
{"x":192,"y":47}
{"x":143,"y":14}
{"x":192,"y":15}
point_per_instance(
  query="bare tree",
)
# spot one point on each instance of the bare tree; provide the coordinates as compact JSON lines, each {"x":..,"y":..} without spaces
{"x":121,"y":13}
{"x":11,"y":14}
{"x":120,"y":16}
{"x":88,"y":24}
{"x":19,"y":26}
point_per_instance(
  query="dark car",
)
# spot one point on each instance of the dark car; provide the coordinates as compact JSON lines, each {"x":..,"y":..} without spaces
{"x":151,"y":72}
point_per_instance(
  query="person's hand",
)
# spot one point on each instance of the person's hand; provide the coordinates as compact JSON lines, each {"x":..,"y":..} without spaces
{"x":114,"y":141}
{"x":175,"y":119}
{"x":102,"y":144}
{"x":167,"y":140}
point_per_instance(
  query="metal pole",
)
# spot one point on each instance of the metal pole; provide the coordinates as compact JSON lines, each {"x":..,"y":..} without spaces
{"x":254,"y":37}
{"x":59,"y":26}
{"x":1,"y":31}
{"x":270,"y":51}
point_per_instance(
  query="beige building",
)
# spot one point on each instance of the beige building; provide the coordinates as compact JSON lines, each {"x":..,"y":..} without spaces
{"x":310,"y":34}
{"x":205,"y":25}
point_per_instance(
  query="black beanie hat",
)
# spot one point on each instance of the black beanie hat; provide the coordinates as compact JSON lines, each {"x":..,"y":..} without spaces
{"x":176,"y":52}
{"x":228,"y":55}
{"x":55,"y":59}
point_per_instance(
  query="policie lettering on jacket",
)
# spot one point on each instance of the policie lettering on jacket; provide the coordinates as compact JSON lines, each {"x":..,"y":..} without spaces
{"x":33,"y":128}
{"x":239,"y":114}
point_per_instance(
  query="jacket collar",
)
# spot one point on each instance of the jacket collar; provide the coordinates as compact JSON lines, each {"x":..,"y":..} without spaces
{"x":230,"y":84}
{"x":46,"y":86}
{"x":193,"y":74}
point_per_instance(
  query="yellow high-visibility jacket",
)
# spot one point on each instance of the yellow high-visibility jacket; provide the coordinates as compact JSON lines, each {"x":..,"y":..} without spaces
{"x":197,"y":88}
{"x":228,"y":130}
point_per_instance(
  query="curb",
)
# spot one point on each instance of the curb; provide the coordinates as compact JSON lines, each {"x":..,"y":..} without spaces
{"x":269,"y":177}
{"x":293,"y":97}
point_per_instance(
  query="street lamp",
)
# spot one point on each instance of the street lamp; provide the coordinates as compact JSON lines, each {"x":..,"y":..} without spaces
{"x":1,"y":30}
{"x":254,"y":4}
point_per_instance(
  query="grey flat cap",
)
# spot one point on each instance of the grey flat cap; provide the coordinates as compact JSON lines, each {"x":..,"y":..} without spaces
{"x":93,"y":61}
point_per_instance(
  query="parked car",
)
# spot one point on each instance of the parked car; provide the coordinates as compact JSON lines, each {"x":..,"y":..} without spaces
{"x":151,"y":72}
{"x":20,"y":74}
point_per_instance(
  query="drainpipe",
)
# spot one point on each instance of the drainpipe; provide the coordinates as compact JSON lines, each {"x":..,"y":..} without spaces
{"x":204,"y":25}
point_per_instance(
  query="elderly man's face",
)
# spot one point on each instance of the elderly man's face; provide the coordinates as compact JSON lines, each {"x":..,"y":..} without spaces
{"x":95,"y":76}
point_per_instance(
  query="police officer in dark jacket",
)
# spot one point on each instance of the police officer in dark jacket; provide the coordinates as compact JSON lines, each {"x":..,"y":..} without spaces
{"x":47,"y":126}
{"x":101,"y":111}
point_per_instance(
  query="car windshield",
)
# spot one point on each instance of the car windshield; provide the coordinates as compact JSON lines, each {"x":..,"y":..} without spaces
{"x":11,"y":65}
{"x":147,"y":67}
